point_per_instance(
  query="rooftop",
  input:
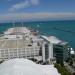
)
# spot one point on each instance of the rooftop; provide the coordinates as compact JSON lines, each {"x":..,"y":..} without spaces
{"x":19,"y":43}
{"x":17,"y":30}
{"x":54,"y":40}
{"x":18,"y":37}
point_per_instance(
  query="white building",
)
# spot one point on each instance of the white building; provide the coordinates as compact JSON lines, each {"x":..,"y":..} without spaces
{"x":47,"y":49}
{"x":20,"y":42}
{"x":16,"y":43}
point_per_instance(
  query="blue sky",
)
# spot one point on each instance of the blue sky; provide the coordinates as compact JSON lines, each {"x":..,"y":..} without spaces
{"x":37,"y":10}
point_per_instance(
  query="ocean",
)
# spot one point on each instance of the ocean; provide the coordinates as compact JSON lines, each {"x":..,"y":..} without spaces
{"x":64,"y":30}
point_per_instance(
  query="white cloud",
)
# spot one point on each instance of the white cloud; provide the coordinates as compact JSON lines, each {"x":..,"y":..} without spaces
{"x":20,"y":5}
{"x":36,"y":16}
{"x":35,"y":2}
{"x":25,"y":4}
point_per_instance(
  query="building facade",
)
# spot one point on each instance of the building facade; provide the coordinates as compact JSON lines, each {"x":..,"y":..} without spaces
{"x":58,"y":49}
{"x":61,"y":53}
{"x":20,"y":42}
{"x":27,"y":52}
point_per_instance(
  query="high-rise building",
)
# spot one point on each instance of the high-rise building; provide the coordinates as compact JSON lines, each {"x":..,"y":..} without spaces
{"x":58,"y":49}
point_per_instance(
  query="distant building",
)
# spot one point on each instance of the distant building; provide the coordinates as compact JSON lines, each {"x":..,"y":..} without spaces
{"x":17,"y":43}
{"x":47,"y":51}
{"x":61,"y":53}
{"x":59,"y":50}
{"x":21,"y":42}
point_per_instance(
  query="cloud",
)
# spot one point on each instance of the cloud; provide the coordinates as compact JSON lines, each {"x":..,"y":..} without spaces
{"x":20,"y":5}
{"x":25,"y":4}
{"x":35,"y":2}
{"x":36,"y":16}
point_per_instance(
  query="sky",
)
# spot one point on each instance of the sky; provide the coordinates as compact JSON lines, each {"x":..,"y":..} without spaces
{"x":36,"y":10}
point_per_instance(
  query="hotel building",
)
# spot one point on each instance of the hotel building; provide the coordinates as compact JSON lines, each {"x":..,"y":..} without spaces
{"x":21,"y":42}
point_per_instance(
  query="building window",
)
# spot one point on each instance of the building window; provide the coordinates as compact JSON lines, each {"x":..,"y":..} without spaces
{"x":46,"y":51}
